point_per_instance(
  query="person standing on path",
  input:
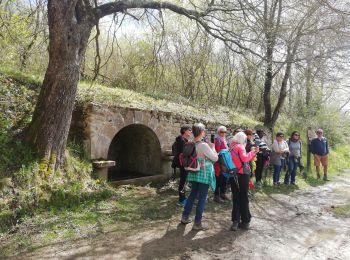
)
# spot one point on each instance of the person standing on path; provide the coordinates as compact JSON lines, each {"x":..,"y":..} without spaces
{"x":200,"y":180}
{"x":220,"y":143}
{"x":294,"y":158}
{"x":262,"y":158}
{"x":240,"y":208}
{"x":319,"y":148}
{"x":280,"y":151}
{"x":180,"y":141}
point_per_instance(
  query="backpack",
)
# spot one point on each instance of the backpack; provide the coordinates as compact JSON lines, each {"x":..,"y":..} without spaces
{"x":188,"y":157}
{"x":176,"y":150}
{"x":245,"y":165}
{"x":227,"y":167}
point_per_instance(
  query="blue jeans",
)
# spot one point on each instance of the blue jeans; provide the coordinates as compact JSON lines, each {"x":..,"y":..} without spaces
{"x":293,"y":164}
{"x":277,"y":171}
{"x":199,"y":190}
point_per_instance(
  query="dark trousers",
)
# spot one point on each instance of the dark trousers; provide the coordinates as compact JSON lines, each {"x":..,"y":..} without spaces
{"x":259,"y":167}
{"x":240,"y":209}
{"x":182,"y":182}
{"x":221,"y":182}
{"x":200,"y":191}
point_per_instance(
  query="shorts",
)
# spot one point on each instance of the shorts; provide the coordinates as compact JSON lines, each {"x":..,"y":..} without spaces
{"x":321,"y":159}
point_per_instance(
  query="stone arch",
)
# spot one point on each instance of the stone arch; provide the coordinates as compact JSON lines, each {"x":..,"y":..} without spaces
{"x":137,"y":152}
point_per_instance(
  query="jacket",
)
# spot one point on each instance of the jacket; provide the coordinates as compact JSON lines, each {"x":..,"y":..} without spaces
{"x":219,"y":145}
{"x":319,"y":146}
{"x":244,"y":157}
{"x":275,"y":158}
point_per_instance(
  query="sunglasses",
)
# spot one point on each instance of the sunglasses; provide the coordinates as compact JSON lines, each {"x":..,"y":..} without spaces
{"x":223,"y":132}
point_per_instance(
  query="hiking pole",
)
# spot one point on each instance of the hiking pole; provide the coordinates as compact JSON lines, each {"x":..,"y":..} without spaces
{"x":235,"y":178}
{"x":173,"y":176}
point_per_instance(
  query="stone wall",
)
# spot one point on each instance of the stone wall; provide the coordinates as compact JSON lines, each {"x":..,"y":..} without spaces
{"x":104,"y":122}
{"x":97,"y":125}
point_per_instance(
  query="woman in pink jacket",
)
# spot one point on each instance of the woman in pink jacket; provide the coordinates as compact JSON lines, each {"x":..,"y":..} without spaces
{"x":240,"y":210}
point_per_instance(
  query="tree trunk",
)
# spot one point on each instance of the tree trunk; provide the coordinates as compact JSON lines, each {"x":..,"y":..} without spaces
{"x":282,"y":96}
{"x":308,"y":96}
{"x":267,"y":88}
{"x":69,"y":32}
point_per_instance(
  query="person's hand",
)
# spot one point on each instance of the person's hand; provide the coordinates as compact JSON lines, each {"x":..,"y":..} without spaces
{"x":211,"y":145}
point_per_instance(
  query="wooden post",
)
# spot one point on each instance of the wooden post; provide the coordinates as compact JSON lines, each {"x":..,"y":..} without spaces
{"x":310,"y":135}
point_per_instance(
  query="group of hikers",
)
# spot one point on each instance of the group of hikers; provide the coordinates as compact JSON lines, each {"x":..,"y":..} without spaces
{"x":205,"y":163}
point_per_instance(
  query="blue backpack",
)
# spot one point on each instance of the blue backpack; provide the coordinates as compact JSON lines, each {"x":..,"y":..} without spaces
{"x":227,"y":167}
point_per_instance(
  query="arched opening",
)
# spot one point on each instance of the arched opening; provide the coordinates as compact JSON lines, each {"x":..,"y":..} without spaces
{"x":137,"y":153}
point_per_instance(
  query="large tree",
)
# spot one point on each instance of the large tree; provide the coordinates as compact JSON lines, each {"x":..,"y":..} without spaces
{"x":70,"y":24}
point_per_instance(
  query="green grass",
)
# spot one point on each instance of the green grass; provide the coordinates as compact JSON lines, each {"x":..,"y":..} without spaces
{"x":342,"y":211}
{"x":134,"y":207}
{"x":93,"y":92}
{"x":28,"y":79}
{"x":301,"y":183}
{"x":339,"y":158}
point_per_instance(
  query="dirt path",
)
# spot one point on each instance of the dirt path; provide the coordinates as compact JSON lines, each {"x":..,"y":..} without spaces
{"x":296,"y":226}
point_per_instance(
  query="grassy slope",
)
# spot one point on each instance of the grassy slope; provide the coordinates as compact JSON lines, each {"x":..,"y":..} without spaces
{"x":127,"y":98}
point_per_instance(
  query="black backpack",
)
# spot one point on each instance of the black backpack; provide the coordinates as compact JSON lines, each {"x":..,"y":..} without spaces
{"x":188,"y":158}
{"x":176,"y":149}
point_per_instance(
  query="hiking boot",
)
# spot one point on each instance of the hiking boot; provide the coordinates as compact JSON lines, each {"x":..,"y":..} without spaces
{"x":259,"y":184}
{"x":234,"y":226}
{"x":182,"y":203}
{"x":224,"y":197}
{"x":325,"y":178}
{"x":218,"y":199}
{"x":243,"y":225}
{"x":318,"y":176}
{"x":185,"y":221}
{"x":200,"y":226}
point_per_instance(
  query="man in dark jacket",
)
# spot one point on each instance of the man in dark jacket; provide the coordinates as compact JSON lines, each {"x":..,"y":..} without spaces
{"x":261,"y":157}
{"x":186,"y":132}
{"x":319,"y":148}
